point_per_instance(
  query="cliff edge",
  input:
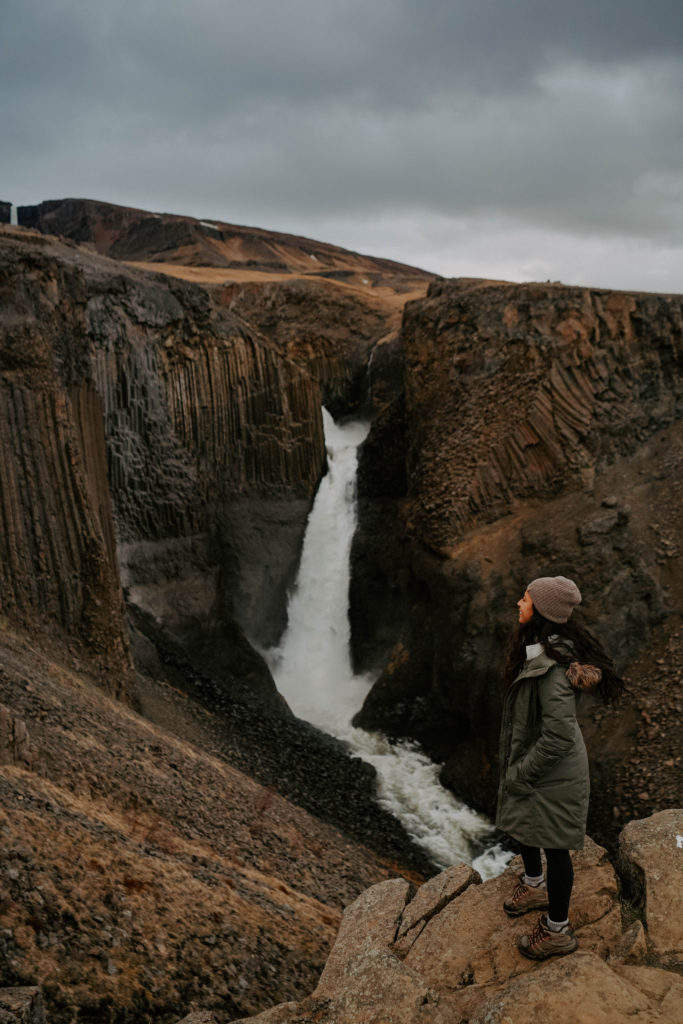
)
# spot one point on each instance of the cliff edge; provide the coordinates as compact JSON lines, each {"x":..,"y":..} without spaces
{"x":446,"y":954}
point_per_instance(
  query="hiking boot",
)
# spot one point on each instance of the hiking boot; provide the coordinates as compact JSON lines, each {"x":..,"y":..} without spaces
{"x":542,"y":942}
{"x":526,"y":897}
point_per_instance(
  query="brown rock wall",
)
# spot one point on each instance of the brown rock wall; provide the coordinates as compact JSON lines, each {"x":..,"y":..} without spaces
{"x":325,"y":329}
{"x":198,"y":416}
{"x":543,"y":435}
{"x":55,"y":521}
{"x":518,"y":391}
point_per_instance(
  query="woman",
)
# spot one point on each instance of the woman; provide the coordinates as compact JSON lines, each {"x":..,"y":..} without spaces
{"x":543,"y":792}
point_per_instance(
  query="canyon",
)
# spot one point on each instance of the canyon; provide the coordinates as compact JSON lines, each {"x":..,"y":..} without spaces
{"x":161,"y":443}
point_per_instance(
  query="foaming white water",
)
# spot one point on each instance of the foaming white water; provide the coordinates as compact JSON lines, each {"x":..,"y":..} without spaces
{"x":312,"y":669}
{"x":13,"y":217}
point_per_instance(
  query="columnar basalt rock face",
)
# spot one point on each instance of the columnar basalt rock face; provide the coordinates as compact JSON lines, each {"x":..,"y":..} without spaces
{"x":328,"y":331}
{"x":212,"y":437}
{"x":55,"y":527}
{"x":521,"y":391}
{"x":137,"y":387}
{"x":542,"y":436}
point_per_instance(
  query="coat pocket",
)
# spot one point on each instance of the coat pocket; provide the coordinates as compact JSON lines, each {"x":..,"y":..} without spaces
{"x":516,"y":786}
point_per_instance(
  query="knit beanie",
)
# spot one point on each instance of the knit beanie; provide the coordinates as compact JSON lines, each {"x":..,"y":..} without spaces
{"x":554,"y":597}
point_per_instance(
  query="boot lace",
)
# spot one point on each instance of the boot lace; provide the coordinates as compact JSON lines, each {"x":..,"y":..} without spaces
{"x":520,"y":890}
{"x":540,"y":933}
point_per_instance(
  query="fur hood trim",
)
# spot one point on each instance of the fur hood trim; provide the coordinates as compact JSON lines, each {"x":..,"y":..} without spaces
{"x":583,"y":677}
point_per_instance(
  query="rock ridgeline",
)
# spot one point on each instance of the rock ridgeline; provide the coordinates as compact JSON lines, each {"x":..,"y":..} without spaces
{"x":446,"y":954}
{"x":538,"y":432}
{"x":321,"y":306}
{"x":125,"y":233}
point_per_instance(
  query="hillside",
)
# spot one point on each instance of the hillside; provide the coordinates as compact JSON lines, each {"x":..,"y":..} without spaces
{"x":128,"y":234}
{"x":139,"y":870}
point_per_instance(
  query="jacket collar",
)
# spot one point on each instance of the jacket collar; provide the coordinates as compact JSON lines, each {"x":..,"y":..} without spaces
{"x":537,"y":666}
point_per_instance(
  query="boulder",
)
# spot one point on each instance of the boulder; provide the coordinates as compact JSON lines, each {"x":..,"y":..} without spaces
{"x":579,"y":989}
{"x":472,"y":942}
{"x":431,"y":898}
{"x":651,"y":852}
{"x":14,"y":741}
{"x":369,"y":923}
{"x":450,"y":955}
{"x":21,"y":1006}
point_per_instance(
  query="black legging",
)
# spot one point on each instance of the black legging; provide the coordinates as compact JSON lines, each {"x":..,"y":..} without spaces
{"x":559,"y":877}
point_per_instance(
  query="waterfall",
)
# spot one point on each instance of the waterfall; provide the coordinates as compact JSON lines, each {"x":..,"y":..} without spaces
{"x":312,"y":670}
{"x":13,"y":218}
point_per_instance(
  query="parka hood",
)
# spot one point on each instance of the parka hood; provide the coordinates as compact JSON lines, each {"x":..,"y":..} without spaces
{"x":583,"y":677}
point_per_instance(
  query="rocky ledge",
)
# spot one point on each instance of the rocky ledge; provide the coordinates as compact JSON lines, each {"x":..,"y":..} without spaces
{"x":447,"y":954}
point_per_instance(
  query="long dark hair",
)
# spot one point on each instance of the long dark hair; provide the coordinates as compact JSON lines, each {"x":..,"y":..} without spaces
{"x":564,"y":642}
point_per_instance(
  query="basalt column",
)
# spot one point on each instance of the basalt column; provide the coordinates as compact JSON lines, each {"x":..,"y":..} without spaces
{"x":541,"y":423}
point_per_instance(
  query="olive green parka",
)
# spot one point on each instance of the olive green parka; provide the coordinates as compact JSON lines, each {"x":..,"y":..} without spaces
{"x":544,"y":783}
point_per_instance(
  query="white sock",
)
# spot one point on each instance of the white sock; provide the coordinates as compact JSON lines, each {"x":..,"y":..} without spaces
{"x":556,"y":926}
{"x":533,"y":880}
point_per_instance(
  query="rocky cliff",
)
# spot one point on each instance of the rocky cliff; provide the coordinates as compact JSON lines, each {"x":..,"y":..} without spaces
{"x":538,"y":432}
{"x":124,"y":386}
{"x":331,"y":331}
{"x":159,"y":459}
{"x":321,"y":306}
{"x":446,"y":953}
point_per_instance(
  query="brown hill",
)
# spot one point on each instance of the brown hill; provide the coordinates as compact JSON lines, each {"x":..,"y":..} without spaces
{"x":128,"y":234}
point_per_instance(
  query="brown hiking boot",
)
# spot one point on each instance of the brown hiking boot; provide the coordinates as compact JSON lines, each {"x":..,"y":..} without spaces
{"x":525,"y":898}
{"x":542,"y":942}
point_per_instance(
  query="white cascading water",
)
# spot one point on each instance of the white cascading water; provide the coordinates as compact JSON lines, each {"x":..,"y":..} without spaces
{"x":312,"y":669}
{"x":13,"y":218}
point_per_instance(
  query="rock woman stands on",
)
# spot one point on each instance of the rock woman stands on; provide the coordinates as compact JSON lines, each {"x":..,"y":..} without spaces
{"x":544,"y":785}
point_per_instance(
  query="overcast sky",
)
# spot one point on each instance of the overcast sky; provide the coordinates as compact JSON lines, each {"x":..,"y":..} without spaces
{"x":525,"y":139}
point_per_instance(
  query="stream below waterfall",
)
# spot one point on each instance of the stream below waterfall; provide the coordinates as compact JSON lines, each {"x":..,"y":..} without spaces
{"x":312,"y":670}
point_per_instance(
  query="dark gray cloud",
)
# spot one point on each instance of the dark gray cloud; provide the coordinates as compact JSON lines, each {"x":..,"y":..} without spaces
{"x":300,"y":113}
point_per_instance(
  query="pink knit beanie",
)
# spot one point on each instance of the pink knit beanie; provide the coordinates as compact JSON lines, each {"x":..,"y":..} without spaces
{"x":554,"y":597}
